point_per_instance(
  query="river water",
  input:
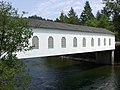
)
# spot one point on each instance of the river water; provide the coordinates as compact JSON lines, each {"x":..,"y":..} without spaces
{"x":55,"y":73}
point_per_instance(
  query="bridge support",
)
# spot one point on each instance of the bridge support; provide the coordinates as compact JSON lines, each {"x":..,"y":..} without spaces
{"x":105,"y":57}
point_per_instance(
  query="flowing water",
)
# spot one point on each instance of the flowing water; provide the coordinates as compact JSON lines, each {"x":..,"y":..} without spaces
{"x":55,"y":73}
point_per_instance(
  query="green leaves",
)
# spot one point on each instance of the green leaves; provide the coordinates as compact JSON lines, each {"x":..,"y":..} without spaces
{"x":114,"y":8}
{"x":14,"y":30}
{"x":13,"y":74}
{"x":14,"y":36}
{"x":63,"y":18}
{"x":86,"y":14}
{"x":70,"y":18}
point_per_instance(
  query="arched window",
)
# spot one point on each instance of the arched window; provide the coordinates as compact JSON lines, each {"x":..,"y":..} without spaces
{"x":109,"y":41}
{"x":84,"y":42}
{"x":74,"y":42}
{"x":35,"y":42}
{"x":98,"y":41}
{"x":104,"y":42}
{"x":63,"y":42}
{"x":92,"y":42}
{"x":50,"y":42}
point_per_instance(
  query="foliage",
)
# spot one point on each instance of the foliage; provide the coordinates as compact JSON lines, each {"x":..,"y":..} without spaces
{"x":13,"y":74}
{"x":102,"y":20}
{"x":86,"y":14}
{"x":92,"y":22}
{"x":57,"y":20}
{"x":38,"y":18}
{"x":114,"y":8}
{"x":106,"y":11}
{"x":14,"y":36}
{"x":14,"y":31}
{"x":62,"y":18}
{"x":108,"y":18}
{"x":72,"y":17}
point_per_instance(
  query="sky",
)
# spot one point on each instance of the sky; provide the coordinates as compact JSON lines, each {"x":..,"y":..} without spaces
{"x":51,"y":9}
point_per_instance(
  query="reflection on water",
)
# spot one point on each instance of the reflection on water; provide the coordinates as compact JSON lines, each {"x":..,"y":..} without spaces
{"x":54,"y":73}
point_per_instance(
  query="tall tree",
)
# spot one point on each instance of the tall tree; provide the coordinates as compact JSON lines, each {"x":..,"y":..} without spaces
{"x":98,"y":15}
{"x":72,"y":17}
{"x":106,"y":11}
{"x":104,"y":22}
{"x":14,"y":36}
{"x":14,"y":31}
{"x":86,"y":14}
{"x":101,"y":21}
{"x":92,"y":22}
{"x":62,"y":18}
{"x":114,"y":7}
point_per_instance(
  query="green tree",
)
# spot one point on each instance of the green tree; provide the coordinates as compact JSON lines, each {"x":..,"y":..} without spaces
{"x":86,"y":14}
{"x":104,"y":22}
{"x":106,"y":11}
{"x":101,"y":21}
{"x":14,"y":31}
{"x":56,"y":20}
{"x":98,"y":15}
{"x":14,"y":75}
{"x":36,"y":17}
{"x":14,"y":36}
{"x":72,"y":17}
{"x":62,"y":18}
{"x":114,"y":8}
{"x":92,"y":22}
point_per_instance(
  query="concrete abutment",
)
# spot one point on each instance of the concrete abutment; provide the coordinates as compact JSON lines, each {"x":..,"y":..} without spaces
{"x":105,"y":57}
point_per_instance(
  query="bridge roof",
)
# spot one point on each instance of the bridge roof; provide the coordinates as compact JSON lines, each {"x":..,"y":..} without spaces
{"x":62,"y":26}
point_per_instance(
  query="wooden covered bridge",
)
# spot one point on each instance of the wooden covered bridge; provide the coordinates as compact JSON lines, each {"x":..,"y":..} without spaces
{"x":52,"y":39}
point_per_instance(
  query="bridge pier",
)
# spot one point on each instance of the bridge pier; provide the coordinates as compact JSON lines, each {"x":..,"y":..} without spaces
{"x":105,"y":57}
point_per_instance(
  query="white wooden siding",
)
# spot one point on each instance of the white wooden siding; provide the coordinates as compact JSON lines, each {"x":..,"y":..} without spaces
{"x":44,"y":34}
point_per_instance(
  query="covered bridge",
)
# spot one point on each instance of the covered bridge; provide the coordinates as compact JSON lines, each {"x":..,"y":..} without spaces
{"x":53,"y":38}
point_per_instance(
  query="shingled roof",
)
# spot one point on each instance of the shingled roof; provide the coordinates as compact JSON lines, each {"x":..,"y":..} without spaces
{"x":62,"y":26}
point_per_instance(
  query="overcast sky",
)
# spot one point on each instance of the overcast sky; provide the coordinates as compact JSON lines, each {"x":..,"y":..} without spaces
{"x":51,"y":9}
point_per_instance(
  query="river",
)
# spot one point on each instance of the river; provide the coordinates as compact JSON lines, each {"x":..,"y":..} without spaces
{"x":55,"y":73}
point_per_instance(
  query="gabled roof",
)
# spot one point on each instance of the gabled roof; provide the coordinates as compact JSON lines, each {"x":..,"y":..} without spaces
{"x":62,"y":26}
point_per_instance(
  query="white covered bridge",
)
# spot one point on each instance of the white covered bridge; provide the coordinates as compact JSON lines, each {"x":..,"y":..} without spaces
{"x":52,"y":38}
